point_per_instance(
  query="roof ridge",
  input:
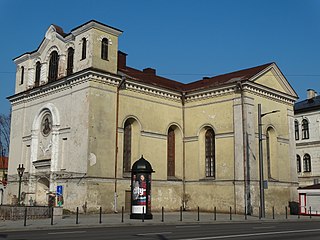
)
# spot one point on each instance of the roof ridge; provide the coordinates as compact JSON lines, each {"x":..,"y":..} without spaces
{"x":199,"y":84}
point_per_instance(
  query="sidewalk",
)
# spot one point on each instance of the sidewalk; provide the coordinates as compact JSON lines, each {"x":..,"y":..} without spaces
{"x":115,"y":219}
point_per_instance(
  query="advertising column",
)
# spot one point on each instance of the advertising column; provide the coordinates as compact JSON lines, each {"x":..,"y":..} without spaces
{"x":139,"y":193}
{"x":141,"y":190}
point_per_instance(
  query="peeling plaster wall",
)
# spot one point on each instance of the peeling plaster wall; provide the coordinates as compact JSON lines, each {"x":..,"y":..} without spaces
{"x":72,"y":132}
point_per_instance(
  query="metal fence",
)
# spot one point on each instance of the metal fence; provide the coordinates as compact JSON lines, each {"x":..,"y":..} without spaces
{"x":8,"y":212}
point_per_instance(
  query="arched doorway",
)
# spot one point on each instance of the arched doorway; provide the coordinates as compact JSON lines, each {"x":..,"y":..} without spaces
{"x":42,"y":191}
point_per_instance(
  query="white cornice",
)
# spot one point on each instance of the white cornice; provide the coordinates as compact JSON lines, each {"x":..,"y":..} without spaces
{"x":22,"y":58}
{"x":131,"y":85}
{"x":151,"y":90}
{"x":248,"y":86}
{"x":63,"y":84}
{"x":208,"y":93}
{"x":261,"y":90}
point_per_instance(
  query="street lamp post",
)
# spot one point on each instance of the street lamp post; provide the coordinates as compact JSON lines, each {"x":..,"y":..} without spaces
{"x":260,"y":115}
{"x":3,"y":153}
{"x":20,"y":170}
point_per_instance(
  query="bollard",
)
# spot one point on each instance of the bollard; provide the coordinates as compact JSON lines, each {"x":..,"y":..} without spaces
{"x":273,"y":212}
{"x":77,"y":216}
{"x":299,"y":214}
{"x":122,"y":211}
{"x":181,"y":214}
{"x":162,"y":214}
{"x":310,"y":212}
{"x":215,"y":213}
{"x":100,"y":215}
{"x":245,"y":213}
{"x":51,"y":215}
{"x":198,"y":214}
{"x":25,"y":217}
{"x":259,"y":213}
{"x":286,"y":212}
{"x":230,"y":213}
{"x":143,"y":214}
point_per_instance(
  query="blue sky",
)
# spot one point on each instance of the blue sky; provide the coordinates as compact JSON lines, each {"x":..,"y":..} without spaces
{"x":183,"y":39}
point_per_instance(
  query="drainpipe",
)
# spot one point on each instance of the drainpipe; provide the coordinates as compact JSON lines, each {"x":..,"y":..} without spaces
{"x":183,"y":153}
{"x":116,"y":141}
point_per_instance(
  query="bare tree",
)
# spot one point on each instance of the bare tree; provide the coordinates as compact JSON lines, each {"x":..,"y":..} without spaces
{"x":5,"y":122}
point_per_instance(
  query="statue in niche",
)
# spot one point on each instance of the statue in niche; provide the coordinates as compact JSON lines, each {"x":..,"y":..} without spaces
{"x":46,"y":125}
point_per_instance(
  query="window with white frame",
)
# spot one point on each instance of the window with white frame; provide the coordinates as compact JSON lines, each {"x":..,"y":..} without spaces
{"x":296,"y":129}
{"x":306,"y":163}
{"x":305,"y":129}
{"x":298,"y":164}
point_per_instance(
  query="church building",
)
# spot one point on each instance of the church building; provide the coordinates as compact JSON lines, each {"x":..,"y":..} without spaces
{"x":81,"y":118}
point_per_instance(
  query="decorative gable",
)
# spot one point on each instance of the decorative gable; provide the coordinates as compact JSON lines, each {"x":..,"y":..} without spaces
{"x":272,"y":78}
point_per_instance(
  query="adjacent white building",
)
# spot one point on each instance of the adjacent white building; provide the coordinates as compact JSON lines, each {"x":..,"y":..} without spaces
{"x":307,"y":135}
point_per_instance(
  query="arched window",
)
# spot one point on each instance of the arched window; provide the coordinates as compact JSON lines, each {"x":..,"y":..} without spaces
{"x":171,"y":153}
{"x":104,"y":49}
{"x":306,"y":163}
{"x":70,"y":61}
{"x":38,"y":74}
{"x":22,"y":75}
{"x":271,"y":151}
{"x":296,"y":129}
{"x":127,"y":146}
{"x":305,"y":129}
{"x":268,"y":153}
{"x":210,"y":153}
{"x":84,"y":48}
{"x":53,"y":66}
{"x":298,"y":164}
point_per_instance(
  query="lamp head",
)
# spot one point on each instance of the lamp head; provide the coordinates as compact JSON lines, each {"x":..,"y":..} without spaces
{"x":20,"y":170}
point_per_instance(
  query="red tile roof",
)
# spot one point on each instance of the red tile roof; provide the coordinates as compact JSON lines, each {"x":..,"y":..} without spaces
{"x":152,"y":79}
{"x":3,"y":162}
{"x":197,"y":85}
{"x":60,"y":30}
{"x":232,"y":77}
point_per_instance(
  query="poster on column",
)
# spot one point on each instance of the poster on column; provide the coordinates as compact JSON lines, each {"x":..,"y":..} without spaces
{"x":139,"y":193}
{"x":59,"y":195}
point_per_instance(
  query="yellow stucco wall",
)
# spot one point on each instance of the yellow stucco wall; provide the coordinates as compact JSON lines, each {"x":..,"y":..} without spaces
{"x":109,"y":65}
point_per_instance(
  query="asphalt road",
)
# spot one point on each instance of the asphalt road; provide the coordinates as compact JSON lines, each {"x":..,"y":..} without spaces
{"x":256,"y":231}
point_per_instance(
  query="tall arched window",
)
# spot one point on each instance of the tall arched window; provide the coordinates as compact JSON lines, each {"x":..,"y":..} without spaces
{"x":268,"y":153}
{"x":70,"y":61}
{"x":298,"y":164}
{"x":127,"y":146}
{"x":306,"y":163}
{"x":53,"y":66}
{"x":305,"y":129}
{"x":210,"y":153}
{"x":271,"y":152}
{"x":104,"y":49}
{"x":171,"y":153}
{"x":38,"y":74}
{"x":22,"y":75}
{"x":84,"y":48}
{"x":296,"y":129}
